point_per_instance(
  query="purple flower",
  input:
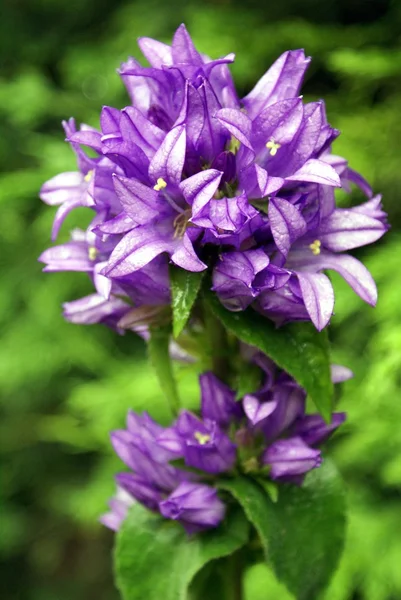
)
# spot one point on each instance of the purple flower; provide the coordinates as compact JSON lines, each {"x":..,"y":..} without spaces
{"x":314,"y":430}
{"x":269,"y":427}
{"x":140,"y":489}
{"x":234,"y":277}
{"x":204,"y":445}
{"x":291,"y":458}
{"x":188,"y":165}
{"x":138,"y":447}
{"x":96,"y":309}
{"x":119,"y":507}
{"x":218,"y":401}
{"x":196,"y":506}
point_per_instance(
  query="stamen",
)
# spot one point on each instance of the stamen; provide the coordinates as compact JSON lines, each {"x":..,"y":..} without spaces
{"x":202,"y":438}
{"x":88,"y":176}
{"x":180,"y":224}
{"x":273,"y":147}
{"x":315,"y":247}
{"x":160,"y":185}
{"x":92,"y":253}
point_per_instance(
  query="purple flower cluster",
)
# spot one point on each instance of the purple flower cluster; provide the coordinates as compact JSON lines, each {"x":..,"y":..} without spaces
{"x":265,"y":435}
{"x":190,"y":173}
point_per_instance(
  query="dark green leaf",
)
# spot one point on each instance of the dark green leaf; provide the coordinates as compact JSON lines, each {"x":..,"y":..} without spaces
{"x":159,"y":355}
{"x":307,"y":530}
{"x":184,"y":289}
{"x":297,"y":348}
{"x":303,"y":532}
{"x":156,"y":560}
{"x":254,"y":501}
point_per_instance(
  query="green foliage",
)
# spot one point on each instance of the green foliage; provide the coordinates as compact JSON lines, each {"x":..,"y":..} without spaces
{"x":297,"y":348}
{"x":303,"y":532}
{"x":63,"y":387}
{"x":155,"y":559}
{"x":184,"y":290}
{"x":255,"y":503}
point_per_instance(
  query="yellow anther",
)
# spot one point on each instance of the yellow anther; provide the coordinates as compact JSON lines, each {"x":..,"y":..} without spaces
{"x":92,"y":253}
{"x":88,"y":176}
{"x":273,"y":147}
{"x":315,"y":247}
{"x":160,"y":185}
{"x":202,"y":438}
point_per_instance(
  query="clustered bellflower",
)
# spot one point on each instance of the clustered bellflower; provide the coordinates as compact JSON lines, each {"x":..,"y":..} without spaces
{"x":173,"y":470}
{"x":191,"y":174}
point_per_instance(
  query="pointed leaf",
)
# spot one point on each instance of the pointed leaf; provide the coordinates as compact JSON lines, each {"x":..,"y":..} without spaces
{"x":155,"y":559}
{"x":307,"y":531}
{"x":159,"y":355}
{"x":297,"y":348}
{"x":184,"y":290}
{"x":303,"y":532}
{"x":255,"y":503}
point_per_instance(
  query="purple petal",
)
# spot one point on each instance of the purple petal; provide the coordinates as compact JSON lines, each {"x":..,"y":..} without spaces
{"x":88,"y":137}
{"x":138,"y":130}
{"x":316,"y":171}
{"x":141,"y":203}
{"x":199,"y":189}
{"x":287,"y":224}
{"x":185,"y":256}
{"x":340,"y":374}
{"x":72,"y":256}
{"x":281,"y":81}
{"x":217,"y":400}
{"x":237,"y":123}
{"x":345,"y":229}
{"x":279,"y":122}
{"x":314,"y":430}
{"x":257,"y":183}
{"x":139,"y":246}
{"x":157,"y":53}
{"x":168,"y":161}
{"x":291,"y":457}
{"x":318,"y":296}
{"x":257,"y":411}
{"x":95,"y":309}
{"x":354,"y":273}
{"x":183,"y":49}
{"x":63,"y":187}
{"x":360,"y":181}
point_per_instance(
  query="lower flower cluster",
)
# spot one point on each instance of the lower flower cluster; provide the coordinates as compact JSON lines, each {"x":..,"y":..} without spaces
{"x":266,"y":435}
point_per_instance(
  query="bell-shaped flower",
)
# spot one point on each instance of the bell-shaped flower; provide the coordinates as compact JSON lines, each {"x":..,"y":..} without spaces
{"x":205,"y":446}
{"x":291,"y":458}
{"x":196,"y":506}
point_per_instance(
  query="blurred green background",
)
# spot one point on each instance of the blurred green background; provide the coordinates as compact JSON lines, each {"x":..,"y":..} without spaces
{"x":63,"y":387}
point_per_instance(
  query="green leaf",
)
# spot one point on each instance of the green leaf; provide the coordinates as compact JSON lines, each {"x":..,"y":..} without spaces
{"x":159,"y":355}
{"x":255,"y":503}
{"x":307,"y":532}
{"x":249,"y":379}
{"x":185,"y":286}
{"x":297,"y":348}
{"x":155,"y":559}
{"x":303,"y":532}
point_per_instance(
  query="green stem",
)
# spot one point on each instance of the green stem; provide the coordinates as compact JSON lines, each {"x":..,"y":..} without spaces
{"x":234,"y":577}
{"x":218,"y":349}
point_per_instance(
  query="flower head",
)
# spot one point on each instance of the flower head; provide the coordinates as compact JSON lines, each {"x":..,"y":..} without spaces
{"x":191,"y":174}
{"x":174,"y":470}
